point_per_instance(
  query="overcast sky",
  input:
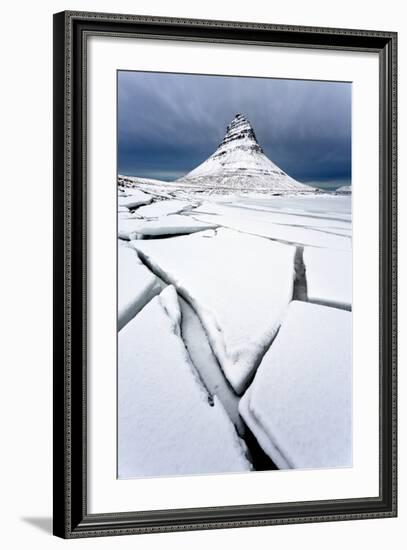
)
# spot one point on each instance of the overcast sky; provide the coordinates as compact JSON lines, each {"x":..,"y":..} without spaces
{"x":170,"y":123}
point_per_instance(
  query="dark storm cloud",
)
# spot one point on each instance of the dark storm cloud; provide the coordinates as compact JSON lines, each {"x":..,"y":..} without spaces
{"x":170,"y":123}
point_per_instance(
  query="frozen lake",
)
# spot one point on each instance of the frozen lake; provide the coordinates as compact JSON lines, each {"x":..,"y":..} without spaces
{"x":254,"y":330}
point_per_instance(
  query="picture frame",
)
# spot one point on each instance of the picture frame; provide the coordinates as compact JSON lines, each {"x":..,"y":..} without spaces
{"x":72,"y":518}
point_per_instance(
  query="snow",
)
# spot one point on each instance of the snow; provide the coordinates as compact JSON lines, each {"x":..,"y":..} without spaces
{"x":134,"y":199}
{"x":163,"y":208}
{"x":166,"y":425}
{"x":165,"y":225}
{"x":329,"y":276}
{"x":239,"y":285}
{"x":299,"y":403}
{"x":136,"y":285}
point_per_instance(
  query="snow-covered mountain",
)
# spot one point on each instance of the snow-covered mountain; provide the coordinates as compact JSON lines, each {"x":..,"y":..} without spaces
{"x":344,"y":190}
{"x":239,"y":164}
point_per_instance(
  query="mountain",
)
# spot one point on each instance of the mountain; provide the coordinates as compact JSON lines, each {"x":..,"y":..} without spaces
{"x":239,"y":164}
{"x":344,"y":190}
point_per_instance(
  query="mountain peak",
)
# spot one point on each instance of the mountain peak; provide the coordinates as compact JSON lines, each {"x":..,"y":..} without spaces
{"x":239,"y":135}
{"x":239,"y":163}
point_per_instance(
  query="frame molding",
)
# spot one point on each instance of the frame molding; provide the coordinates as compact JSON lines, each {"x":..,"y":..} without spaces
{"x":71,"y":519}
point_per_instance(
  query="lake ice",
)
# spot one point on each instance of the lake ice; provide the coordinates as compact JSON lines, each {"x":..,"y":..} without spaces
{"x":234,"y":319}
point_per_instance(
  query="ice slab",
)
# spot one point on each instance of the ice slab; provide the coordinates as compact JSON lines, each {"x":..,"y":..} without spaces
{"x":166,"y":425}
{"x":134,"y":199}
{"x":123,"y":215}
{"x":239,"y":285}
{"x":167,"y":225}
{"x":299,"y":405}
{"x":206,"y":364}
{"x":163,"y":208}
{"x":329,"y":276}
{"x":136,"y":285}
{"x":127,"y":226}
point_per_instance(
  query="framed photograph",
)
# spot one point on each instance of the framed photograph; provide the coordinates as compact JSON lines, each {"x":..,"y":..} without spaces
{"x":224,"y":274}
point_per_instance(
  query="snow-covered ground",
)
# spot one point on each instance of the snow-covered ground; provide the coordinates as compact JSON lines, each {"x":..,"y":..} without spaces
{"x":230,"y":323}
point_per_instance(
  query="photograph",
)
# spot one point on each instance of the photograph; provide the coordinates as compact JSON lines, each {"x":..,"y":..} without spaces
{"x":224,"y":273}
{"x":234,"y":274}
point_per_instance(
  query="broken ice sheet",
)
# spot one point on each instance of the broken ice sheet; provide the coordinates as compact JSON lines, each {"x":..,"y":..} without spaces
{"x":205,"y":362}
{"x":127,"y":226}
{"x":134,"y":199}
{"x":136,"y":285}
{"x":318,"y":204}
{"x":258,"y":222}
{"x":299,"y":405}
{"x":239,"y":285}
{"x":165,"y":225}
{"x":329,"y":276}
{"x":166,"y":425}
{"x":163,"y":208}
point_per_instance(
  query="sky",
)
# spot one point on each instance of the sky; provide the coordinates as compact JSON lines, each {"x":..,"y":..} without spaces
{"x":170,"y":123}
